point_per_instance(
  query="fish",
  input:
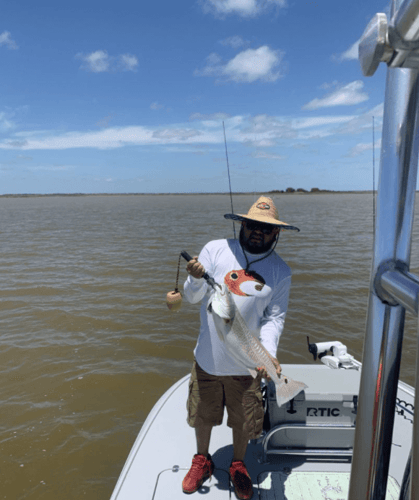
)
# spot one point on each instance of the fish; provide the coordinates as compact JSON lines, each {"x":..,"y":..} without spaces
{"x":244,"y":347}
{"x":251,"y":281}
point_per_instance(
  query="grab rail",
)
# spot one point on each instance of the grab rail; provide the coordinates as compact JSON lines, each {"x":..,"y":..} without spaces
{"x":304,"y":451}
{"x":392,"y":289}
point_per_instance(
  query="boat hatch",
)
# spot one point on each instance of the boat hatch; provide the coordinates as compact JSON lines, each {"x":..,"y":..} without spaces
{"x":314,"y":485}
{"x":321,"y":419}
{"x":169,"y":485}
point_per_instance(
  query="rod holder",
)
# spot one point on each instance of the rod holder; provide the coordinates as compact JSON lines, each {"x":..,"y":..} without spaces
{"x":402,"y":287}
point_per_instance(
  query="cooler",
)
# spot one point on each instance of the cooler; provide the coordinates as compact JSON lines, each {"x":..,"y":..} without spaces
{"x":318,"y":421}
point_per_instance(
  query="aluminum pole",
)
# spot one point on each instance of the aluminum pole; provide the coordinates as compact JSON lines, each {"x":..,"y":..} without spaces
{"x":385,"y":321}
{"x":406,"y":20}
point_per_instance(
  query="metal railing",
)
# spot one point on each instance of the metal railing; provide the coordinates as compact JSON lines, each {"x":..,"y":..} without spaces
{"x":393,"y":289}
{"x":307,"y":429}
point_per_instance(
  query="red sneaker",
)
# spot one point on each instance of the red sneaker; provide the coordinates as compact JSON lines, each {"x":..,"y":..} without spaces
{"x":241,"y":480}
{"x":201,"y":469}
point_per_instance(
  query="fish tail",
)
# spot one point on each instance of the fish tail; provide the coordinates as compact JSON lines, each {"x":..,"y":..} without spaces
{"x":287,"y":389}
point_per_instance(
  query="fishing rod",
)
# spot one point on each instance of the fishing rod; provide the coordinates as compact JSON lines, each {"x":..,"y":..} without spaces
{"x":174,"y":298}
{"x":229,"y":180}
{"x":206,"y":276}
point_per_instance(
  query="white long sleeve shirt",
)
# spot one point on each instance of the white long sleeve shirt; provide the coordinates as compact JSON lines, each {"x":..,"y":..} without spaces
{"x":262,"y":299}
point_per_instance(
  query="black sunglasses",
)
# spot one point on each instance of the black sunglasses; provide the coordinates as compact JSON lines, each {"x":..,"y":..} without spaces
{"x":264,"y":228}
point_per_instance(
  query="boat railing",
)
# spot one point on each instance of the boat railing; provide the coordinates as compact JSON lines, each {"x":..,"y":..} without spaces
{"x":393,"y":289}
{"x":273,"y":441}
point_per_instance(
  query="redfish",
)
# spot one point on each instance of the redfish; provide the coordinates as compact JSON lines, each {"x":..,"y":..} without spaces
{"x":244,"y":347}
{"x":240,"y":282}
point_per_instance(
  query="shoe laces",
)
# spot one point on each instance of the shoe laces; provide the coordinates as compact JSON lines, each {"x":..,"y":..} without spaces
{"x":198,"y":463}
{"x":238,"y":466}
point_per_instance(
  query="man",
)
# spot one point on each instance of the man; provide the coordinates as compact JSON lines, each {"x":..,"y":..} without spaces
{"x":260,"y":283}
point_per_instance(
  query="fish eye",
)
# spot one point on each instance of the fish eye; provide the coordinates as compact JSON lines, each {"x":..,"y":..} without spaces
{"x":234,"y":276}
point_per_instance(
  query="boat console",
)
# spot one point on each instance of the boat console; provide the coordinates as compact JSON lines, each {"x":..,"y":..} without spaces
{"x":318,"y":421}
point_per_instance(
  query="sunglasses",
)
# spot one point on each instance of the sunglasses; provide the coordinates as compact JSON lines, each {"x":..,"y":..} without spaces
{"x":264,"y":228}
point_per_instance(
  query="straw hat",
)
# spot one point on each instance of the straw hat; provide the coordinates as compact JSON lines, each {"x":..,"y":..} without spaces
{"x":263,"y":210}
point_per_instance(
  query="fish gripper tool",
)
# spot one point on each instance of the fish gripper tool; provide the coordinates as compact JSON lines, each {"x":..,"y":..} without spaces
{"x":206,"y":276}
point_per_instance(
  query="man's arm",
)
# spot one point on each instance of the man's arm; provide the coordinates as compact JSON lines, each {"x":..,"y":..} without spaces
{"x":195,"y":268}
{"x":195,"y":287}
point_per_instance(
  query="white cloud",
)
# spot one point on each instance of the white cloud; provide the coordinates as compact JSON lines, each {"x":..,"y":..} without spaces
{"x":100,"y":61}
{"x":104,"y":122}
{"x":252,"y":65}
{"x":265,"y":130}
{"x":97,"y":62}
{"x":246,"y":67}
{"x":213,"y":66}
{"x":261,"y":143}
{"x":155,"y":106}
{"x":360,"y":123}
{"x":234,"y":41}
{"x":5,"y":39}
{"x":210,"y":117}
{"x":348,"y":95}
{"x":361,"y":148}
{"x":241,"y":7}
{"x":349,"y":54}
{"x":327,"y":86}
{"x":260,"y":131}
{"x":177,"y":135}
{"x":51,"y":168}
{"x":267,"y":156}
{"x":110,"y":138}
{"x":244,"y":8}
{"x":265,"y":127}
{"x":5,"y":122}
{"x":377,"y":110}
{"x":128,"y":62}
{"x":318,"y":121}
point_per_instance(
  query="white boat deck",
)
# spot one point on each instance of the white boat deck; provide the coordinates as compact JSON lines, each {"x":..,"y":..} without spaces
{"x":163,"y":451}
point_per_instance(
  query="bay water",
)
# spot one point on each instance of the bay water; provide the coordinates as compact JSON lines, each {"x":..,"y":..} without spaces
{"x":87,"y":344}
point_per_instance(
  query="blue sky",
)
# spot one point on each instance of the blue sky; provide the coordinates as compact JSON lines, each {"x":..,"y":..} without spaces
{"x":129,"y":97}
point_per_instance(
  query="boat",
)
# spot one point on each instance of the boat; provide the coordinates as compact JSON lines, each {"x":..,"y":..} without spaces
{"x":351,"y":434}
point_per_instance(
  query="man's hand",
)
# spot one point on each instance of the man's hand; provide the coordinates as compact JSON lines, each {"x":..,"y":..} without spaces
{"x":262,"y":369}
{"x":195,"y":268}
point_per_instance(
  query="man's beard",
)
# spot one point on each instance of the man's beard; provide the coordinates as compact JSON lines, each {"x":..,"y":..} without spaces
{"x":252,"y":247}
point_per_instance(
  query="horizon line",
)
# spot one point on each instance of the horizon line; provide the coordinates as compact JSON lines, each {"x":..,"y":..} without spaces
{"x":319,"y":191}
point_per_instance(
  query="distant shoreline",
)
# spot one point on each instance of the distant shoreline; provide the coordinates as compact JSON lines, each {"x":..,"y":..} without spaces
{"x":294,"y":193}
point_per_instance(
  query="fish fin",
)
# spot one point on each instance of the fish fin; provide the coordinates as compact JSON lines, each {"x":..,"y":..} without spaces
{"x":253,"y":372}
{"x":288,"y":389}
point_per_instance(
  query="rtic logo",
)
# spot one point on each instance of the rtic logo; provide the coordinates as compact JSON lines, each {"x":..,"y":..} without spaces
{"x":323,"y":412}
{"x":263,"y":205}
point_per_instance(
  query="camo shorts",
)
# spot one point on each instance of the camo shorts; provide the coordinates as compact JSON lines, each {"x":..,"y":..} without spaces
{"x":209,"y":394}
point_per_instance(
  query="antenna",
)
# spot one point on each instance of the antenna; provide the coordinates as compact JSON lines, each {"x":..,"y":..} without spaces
{"x":373,"y":180}
{"x":229,"y":180}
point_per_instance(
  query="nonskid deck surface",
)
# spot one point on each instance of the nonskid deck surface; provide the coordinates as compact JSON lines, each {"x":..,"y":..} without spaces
{"x":279,"y":481}
{"x":163,"y":451}
{"x":311,"y":485}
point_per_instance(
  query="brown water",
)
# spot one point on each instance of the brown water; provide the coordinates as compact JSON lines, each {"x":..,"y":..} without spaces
{"x":87,"y":345}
